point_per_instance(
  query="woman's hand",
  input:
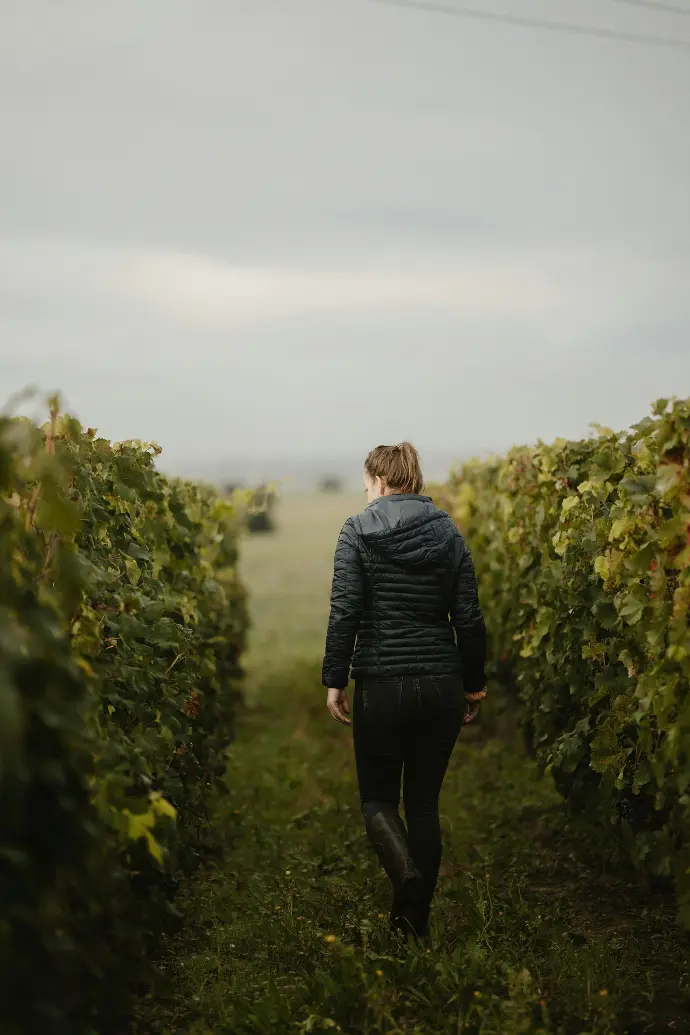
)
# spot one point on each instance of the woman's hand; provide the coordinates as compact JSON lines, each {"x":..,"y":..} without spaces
{"x":472,"y":712}
{"x":339,"y":706}
{"x":473,"y":701}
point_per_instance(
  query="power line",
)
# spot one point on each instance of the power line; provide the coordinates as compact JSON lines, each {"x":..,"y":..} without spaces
{"x":650,"y":5}
{"x":435,"y":7}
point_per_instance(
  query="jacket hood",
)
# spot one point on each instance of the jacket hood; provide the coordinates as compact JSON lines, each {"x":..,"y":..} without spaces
{"x":408,"y":530}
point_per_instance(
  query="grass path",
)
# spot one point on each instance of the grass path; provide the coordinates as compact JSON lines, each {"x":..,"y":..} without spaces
{"x":537,"y":927}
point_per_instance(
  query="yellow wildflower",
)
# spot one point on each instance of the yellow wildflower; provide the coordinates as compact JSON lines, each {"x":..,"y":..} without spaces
{"x":330,"y":938}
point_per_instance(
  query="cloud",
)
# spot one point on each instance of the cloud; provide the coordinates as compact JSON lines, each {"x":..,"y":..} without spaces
{"x":202,"y":291}
{"x":488,"y":347}
{"x":561,"y":294}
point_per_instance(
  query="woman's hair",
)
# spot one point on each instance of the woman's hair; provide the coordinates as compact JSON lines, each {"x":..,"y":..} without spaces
{"x":398,"y":466}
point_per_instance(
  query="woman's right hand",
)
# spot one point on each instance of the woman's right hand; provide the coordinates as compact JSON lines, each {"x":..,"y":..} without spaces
{"x":472,"y":712}
{"x":473,"y":702}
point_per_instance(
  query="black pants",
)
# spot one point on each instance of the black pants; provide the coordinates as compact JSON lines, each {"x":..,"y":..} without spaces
{"x":407,"y":727}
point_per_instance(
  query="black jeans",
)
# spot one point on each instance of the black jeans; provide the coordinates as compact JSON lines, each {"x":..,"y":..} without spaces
{"x":406,"y":727}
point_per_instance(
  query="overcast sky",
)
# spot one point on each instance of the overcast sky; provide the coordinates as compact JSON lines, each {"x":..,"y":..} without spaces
{"x":303,"y":227}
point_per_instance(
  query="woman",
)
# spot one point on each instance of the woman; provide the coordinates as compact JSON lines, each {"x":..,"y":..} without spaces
{"x":405,"y":618}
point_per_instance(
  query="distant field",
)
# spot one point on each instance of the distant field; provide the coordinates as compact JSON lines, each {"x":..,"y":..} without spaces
{"x":288,"y":574}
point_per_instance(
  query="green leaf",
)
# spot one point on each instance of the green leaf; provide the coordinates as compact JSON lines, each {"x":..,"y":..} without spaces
{"x":56,"y":514}
{"x":619,"y":528}
{"x":631,"y":609}
{"x":133,"y":572}
{"x":639,"y":489}
{"x":162,"y":806}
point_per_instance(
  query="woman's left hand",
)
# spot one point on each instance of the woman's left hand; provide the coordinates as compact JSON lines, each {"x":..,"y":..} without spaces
{"x":339,"y":706}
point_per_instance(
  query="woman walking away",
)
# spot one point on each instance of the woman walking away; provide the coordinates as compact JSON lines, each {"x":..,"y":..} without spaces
{"x":405,"y":617}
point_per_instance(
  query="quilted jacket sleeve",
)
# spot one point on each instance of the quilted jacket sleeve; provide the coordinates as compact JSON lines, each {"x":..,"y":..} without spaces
{"x":347,"y":597}
{"x":468,"y":621}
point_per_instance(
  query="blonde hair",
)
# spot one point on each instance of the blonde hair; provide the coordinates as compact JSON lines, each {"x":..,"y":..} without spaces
{"x":398,"y":466}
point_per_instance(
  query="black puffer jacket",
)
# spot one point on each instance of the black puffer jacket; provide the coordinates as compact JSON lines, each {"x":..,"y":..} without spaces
{"x":404,"y":589}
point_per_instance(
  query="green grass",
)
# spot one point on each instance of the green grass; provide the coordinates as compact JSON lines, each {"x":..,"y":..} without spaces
{"x":289,"y":578}
{"x":537,"y":927}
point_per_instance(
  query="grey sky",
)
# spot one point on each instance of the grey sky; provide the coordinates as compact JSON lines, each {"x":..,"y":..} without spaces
{"x":301,"y":227}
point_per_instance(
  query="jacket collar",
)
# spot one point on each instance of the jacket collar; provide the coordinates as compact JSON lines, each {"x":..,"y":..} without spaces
{"x":400,"y":496}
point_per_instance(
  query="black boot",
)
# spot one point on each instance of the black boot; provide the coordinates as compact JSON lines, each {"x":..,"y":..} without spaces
{"x":424,"y":909}
{"x":387,"y":834}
